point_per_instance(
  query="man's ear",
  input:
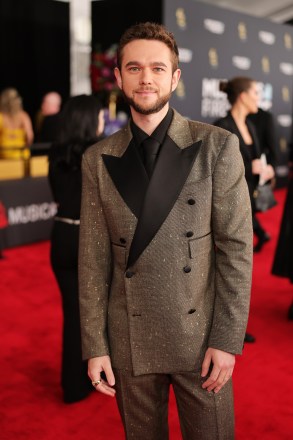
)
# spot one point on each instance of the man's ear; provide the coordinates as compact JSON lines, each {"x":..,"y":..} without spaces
{"x":175,"y":79}
{"x":242,"y":97}
{"x":118,"y":77}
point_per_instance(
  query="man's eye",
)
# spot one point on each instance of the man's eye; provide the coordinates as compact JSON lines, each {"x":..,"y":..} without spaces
{"x":158,"y":69}
{"x":134,"y":69}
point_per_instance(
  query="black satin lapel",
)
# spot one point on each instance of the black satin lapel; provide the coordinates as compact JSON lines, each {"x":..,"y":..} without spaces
{"x":129,"y":177}
{"x":170,"y":174}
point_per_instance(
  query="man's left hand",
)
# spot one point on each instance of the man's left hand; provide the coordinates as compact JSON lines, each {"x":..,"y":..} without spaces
{"x":223,"y":366}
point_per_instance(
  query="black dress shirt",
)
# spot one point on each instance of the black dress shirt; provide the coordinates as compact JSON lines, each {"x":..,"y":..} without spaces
{"x":159,"y":133}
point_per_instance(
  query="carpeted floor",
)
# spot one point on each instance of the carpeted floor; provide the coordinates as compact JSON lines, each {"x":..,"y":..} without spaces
{"x":30,"y":323}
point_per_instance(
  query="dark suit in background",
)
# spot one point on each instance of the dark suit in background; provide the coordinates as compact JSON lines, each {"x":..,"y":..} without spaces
{"x":283,"y":258}
{"x":49,"y":128}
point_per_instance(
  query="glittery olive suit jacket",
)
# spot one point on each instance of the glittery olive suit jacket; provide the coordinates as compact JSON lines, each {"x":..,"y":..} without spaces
{"x":165,"y":264}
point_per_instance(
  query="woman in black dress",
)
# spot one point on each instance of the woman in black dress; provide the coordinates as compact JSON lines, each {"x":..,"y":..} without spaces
{"x":81,"y":125}
{"x":242,"y":94}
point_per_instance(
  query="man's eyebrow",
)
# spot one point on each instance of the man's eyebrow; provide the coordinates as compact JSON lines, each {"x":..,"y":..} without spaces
{"x":137,"y":63}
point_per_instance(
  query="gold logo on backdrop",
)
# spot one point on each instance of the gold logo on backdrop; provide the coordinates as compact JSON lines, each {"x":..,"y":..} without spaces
{"x":288,"y":41}
{"x":181,"y":18}
{"x":213,"y":57}
{"x":285,"y":94}
{"x":180,"y":90}
{"x":242,"y":31}
{"x":265,"y":63}
{"x":283,"y":145}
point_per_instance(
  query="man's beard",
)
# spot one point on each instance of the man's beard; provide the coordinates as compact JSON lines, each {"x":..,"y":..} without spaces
{"x":155,"y":108}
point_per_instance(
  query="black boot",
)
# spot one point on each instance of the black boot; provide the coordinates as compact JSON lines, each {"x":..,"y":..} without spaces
{"x":261,"y":241}
{"x":249,"y":338}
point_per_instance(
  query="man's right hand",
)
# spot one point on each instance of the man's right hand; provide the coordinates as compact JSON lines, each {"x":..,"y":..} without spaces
{"x":95,"y":367}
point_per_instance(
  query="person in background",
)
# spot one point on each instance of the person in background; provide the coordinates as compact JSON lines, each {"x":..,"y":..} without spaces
{"x":47,"y":118}
{"x":263,"y":121}
{"x":81,"y":125}
{"x":264,"y":124}
{"x":16,"y":132}
{"x":165,"y":254}
{"x":242,"y":94}
{"x":283,"y":258}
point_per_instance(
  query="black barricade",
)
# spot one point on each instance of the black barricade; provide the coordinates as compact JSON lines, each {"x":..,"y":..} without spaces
{"x":27,"y":207}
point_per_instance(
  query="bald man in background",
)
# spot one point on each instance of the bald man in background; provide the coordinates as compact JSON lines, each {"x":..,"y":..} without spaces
{"x":47,"y":117}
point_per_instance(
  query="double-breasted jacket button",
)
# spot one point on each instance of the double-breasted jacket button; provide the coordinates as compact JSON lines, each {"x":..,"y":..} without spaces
{"x":191,"y":311}
{"x":122,"y":240}
{"x":189,"y":234}
{"x":187,"y":269}
{"x":129,"y":274}
{"x":191,"y":201}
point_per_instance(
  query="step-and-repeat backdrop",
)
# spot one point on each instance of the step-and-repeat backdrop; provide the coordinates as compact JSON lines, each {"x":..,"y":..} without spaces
{"x":216,"y":44}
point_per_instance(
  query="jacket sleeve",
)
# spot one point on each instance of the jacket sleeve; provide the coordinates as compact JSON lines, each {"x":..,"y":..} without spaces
{"x":232,"y":229}
{"x":94,"y":265}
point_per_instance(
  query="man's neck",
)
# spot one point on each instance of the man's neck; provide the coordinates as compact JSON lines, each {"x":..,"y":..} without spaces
{"x":148,"y":123}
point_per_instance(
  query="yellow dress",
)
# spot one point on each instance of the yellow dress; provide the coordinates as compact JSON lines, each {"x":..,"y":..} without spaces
{"x":12,"y":142}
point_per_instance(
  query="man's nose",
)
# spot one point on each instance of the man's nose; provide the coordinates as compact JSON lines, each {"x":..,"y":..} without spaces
{"x":145,"y":77}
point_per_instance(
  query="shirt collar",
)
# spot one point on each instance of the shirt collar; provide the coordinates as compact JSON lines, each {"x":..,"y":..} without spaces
{"x":159,"y":133}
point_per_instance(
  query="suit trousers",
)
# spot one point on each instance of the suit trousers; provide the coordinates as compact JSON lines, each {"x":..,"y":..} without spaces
{"x":143,"y":406}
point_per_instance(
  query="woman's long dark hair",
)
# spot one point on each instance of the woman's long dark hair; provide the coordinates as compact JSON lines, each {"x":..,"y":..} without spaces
{"x":77,"y":129}
{"x":79,"y":120}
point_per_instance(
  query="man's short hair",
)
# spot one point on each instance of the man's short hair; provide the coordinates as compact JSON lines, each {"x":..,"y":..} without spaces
{"x":149,"y":31}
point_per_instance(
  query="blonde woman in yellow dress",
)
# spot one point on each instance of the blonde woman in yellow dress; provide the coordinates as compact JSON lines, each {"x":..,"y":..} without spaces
{"x":16,"y":132}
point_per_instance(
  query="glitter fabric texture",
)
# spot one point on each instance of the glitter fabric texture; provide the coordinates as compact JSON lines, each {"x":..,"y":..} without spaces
{"x":188,"y":287}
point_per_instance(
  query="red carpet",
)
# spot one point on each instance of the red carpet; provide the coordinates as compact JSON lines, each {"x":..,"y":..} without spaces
{"x":30,"y":402}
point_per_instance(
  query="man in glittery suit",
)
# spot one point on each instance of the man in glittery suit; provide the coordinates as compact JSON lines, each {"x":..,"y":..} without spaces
{"x":165,"y":254}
